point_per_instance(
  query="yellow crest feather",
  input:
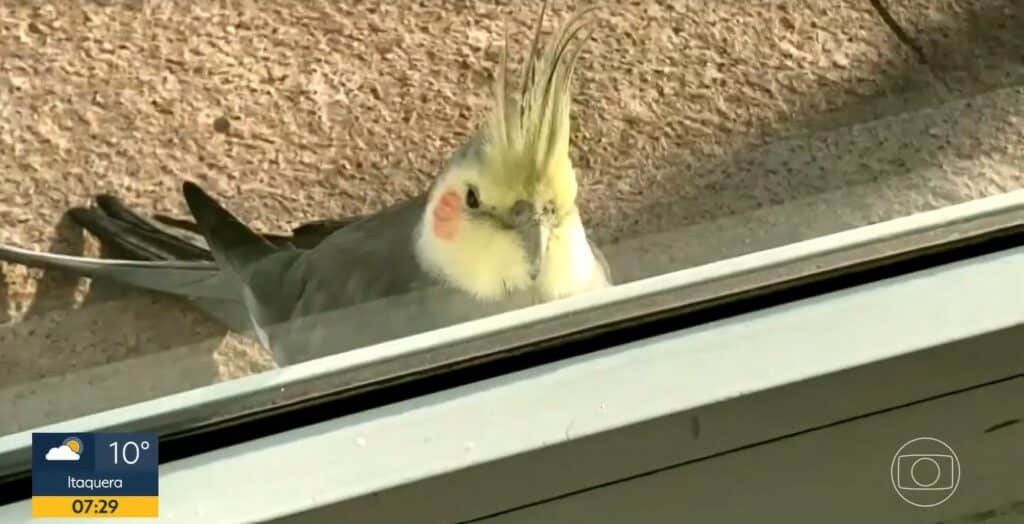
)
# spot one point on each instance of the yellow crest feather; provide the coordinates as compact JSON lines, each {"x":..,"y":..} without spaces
{"x":527,"y":135}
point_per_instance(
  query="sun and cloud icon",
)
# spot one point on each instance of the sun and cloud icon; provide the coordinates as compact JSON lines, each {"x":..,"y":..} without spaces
{"x":70,"y":449}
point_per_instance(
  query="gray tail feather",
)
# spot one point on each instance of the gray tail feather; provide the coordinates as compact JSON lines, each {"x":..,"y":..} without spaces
{"x":182,"y":278}
{"x":117,"y":226}
{"x":139,"y":238}
{"x":233,"y":244}
{"x":202,"y":283}
{"x":165,"y":261}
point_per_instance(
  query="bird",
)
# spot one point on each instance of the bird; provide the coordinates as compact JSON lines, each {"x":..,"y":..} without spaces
{"x":498,"y":229}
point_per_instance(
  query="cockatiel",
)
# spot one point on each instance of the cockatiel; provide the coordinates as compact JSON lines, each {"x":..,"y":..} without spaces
{"x":498,"y":229}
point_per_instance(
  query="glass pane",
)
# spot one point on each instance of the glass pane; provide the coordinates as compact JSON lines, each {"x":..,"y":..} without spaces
{"x":700,"y":133}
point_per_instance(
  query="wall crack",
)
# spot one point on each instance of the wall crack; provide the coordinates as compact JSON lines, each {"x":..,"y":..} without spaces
{"x":908,"y":41}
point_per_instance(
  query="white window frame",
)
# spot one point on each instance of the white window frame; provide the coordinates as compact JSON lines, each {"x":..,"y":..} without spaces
{"x":667,"y":402}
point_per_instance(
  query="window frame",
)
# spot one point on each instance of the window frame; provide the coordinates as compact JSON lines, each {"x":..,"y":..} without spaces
{"x":760,"y":272}
{"x":540,"y":434}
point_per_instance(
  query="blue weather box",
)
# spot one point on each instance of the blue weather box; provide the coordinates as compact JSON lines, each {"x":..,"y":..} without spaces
{"x":95,"y":475}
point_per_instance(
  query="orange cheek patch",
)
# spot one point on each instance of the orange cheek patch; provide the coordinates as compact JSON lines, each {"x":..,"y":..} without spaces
{"x":446,"y":215}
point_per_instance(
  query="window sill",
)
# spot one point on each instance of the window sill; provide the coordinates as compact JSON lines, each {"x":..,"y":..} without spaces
{"x":657,"y":404}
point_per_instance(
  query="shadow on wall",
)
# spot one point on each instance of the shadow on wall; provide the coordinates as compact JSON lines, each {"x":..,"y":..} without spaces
{"x":698,"y":188}
{"x":982,"y":37}
{"x":974,"y":45}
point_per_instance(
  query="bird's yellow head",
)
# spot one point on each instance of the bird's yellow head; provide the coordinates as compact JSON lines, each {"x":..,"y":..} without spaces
{"x":491,"y":214}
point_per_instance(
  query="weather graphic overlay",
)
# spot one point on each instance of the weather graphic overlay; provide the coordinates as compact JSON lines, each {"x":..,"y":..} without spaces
{"x":95,"y":475}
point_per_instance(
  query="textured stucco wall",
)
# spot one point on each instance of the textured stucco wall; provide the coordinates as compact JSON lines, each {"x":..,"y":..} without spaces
{"x":704,"y":131}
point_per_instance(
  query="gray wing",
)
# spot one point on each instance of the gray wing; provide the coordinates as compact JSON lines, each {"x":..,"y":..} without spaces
{"x":363,"y":285}
{"x":360,"y":286}
{"x":366,"y":260}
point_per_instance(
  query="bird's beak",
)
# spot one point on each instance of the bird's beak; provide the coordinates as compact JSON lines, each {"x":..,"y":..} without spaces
{"x":533,"y":232}
{"x":535,"y":243}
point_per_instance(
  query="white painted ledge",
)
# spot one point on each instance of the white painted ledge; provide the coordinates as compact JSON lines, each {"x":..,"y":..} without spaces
{"x":511,"y":441}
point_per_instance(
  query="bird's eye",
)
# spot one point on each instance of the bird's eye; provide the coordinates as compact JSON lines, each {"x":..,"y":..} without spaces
{"x":472,"y":198}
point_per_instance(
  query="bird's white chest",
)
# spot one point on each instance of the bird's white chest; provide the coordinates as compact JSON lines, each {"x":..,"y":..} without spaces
{"x":570,"y":267}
